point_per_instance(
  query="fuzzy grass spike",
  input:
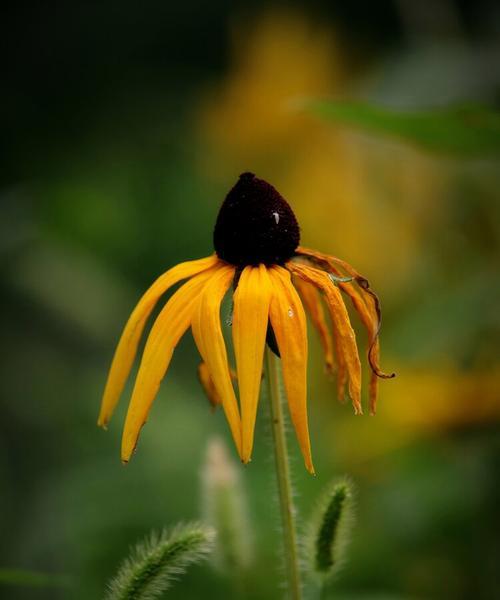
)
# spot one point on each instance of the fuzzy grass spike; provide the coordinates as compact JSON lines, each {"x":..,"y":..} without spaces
{"x":329,"y":531}
{"x":154,"y":564}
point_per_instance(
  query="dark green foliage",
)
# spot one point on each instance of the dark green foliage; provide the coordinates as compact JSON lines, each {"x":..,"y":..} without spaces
{"x":33,"y":579}
{"x":464,"y":130}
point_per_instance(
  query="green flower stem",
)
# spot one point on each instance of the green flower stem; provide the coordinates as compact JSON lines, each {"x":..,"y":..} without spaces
{"x":283,"y":477}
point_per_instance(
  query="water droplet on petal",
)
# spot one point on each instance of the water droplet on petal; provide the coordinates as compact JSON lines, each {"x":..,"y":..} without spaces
{"x":290,"y":312}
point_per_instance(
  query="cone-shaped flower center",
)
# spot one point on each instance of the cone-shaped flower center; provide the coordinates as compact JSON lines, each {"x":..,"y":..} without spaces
{"x":255,"y":225}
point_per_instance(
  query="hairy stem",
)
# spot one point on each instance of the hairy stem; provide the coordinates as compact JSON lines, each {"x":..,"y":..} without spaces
{"x":283,"y":478}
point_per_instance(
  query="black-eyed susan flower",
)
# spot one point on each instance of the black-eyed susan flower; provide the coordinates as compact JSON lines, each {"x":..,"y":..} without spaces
{"x":273,"y":281}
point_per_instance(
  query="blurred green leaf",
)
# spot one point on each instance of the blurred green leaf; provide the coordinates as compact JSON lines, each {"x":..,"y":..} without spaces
{"x":20,"y":577}
{"x":466,"y":130}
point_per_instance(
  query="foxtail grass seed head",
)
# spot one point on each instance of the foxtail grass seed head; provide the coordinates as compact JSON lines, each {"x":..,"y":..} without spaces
{"x":158,"y":561}
{"x":329,"y":531}
{"x":225,"y":509}
{"x":273,"y":282}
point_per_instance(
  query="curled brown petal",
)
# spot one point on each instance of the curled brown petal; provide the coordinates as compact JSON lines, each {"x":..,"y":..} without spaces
{"x":332,"y":263}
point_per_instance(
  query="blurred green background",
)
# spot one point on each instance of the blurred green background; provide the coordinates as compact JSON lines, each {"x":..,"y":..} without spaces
{"x":123,"y":126}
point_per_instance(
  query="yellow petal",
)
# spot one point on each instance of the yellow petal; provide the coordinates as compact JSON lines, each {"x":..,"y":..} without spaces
{"x":327,"y":261}
{"x":344,"y":333}
{"x":341,"y":267}
{"x":208,"y":385}
{"x":313,"y":304}
{"x":165,"y":334}
{"x":127,"y":346}
{"x":250,"y":319}
{"x":370,"y":320}
{"x":288,"y":320}
{"x":208,"y":336}
{"x":341,"y":364}
{"x":337,"y":342}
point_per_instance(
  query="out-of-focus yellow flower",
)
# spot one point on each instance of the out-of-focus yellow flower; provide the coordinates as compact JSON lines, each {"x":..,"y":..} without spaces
{"x":371,"y":202}
{"x":444,"y":399}
{"x":281,"y":60}
{"x":256,"y":240}
{"x":423,"y":402}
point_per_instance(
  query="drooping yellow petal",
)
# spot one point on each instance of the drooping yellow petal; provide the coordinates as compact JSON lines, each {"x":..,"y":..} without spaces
{"x":328,"y":260}
{"x":341,"y":366}
{"x":370,"y":320}
{"x":208,"y":336}
{"x":341,"y":268}
{"x":127,"y":346}
{"x":250,"y":319}
{"x":288,"y":320}
{"x":344,"y":332}
{"x":368,"y":308}
{"x":313,"y":304}
{"x":165,"y":334}
{"x":208,"y":384}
